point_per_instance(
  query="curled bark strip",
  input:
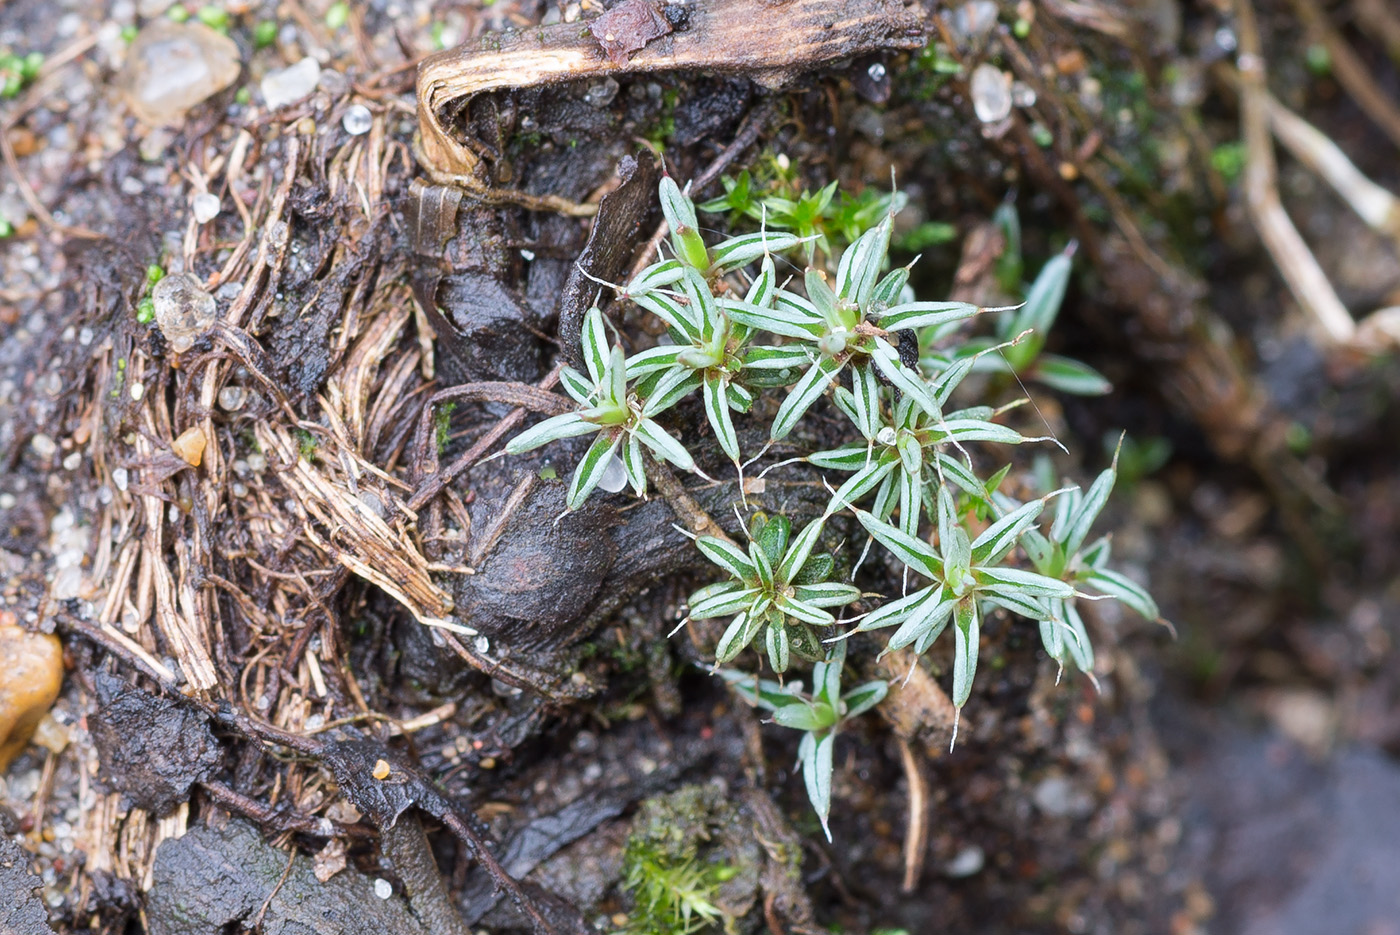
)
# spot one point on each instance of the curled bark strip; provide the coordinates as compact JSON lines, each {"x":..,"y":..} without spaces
{"x":718,"y":36}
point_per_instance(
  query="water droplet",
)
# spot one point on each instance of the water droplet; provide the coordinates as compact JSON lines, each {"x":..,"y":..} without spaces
{"x":206,"y":207}
{"x":991,"y":93}
{"x":357,"y":120}
{"x":614,"y":476}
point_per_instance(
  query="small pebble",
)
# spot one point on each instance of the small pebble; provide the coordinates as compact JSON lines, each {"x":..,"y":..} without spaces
{"x":291,"y":84}
{"x":184,"y":311}
{"x":171,"y":67}
{"x":71,"y":462}
{"x":357,"y":120}
{"x":383,"y":888}
{"x":381,"y":769}
{"x":29,"y":682}
{"x":206,"y":207}
{"x":968,"y":862}
{"x":120,"y":478}
{"x":231,"y":398}
{"x":43,"y":445}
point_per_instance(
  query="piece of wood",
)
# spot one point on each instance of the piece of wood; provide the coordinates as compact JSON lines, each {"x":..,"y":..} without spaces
{"x":770,"y":42}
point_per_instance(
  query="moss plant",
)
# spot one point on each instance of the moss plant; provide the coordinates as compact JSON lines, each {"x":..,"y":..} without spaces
{"x":891,"y":364}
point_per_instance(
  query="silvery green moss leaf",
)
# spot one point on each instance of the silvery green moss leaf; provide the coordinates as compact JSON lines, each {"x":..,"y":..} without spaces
{"x":1016,"y":601}
{"x":744,"y":249}
{"x":728,"y":556}
{"x":862,"y":263}
{"x":633,"y":466}
{"x":889,"y":290}
{"x":914,"y":552}
{"x":677,"y":208}
{"x":577,"y":386}
{"x":568,"y":425}
{"x":778,"y":646}
{"x":792,"y":358}
{"x":864,"y":481}
{"x":799,"y":550}
{"x":595,"y":344}
{"x":1116,"y":584}
{"x":737,"y":637}
{"x":813,"y":383}
{"x":948,"y":379}
{"x":662,"y":444}
{"x":717,"y":412}
{"x":1024,"y":582}
{"x":865,"y":396}
{"x":814,"y":756}
{"x":976,"y":430}
{"x":799,"y":610}
{"x":740,"y":398}
{"x":1039,"y":313}
{"x":679,"y":317}
{"x":864,"y":697}
{"x":897,"y":611}
{"x":925,"y":623}
{"x":763,"y":693}
{"x":673,"y":386}
{"x":808,"y":717}
{"x":826,"y":593}
{"x":764,"y":286}
{"x":656,"y":276}
{"x":1000,"y":537}
{"x":822,"y":298}
{"x":1069,"y":376}
{"x":1080,"y":648}
{"x":910,"y":508}
{"x":652,"y":360}
{"x":775,"y":320}
{"x":911,"y":384}
{"x":1052,"y":637}
{"x":1078,"y":526}
{"x":591,"y":469}
{"x":722,"y":605}
{"x":925,"y":314}
{"x":967,"y":630}
{"x":849,"y":457}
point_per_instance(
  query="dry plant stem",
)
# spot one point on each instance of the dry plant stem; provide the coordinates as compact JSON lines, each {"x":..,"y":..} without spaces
{"x":1373,"y":204}
{"x":280,"y":819}
{"x":916,"y":835}
{"x":1351,"y":73}
{"x":408,"y":850}
{"x":689,"y":512}
{"x":720,"y":35}
{"x":1305,"y":278}
{"x":1380,"y":18}
{"x":432,"y":485}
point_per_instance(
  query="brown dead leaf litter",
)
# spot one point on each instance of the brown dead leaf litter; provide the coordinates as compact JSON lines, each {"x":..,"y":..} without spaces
{"x":297,"y":600}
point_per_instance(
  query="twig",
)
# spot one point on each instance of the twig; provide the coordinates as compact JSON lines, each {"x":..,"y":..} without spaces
{"x":1299,"y":268}
{"x":433,"y":484}
{"x":689,"y":512}
{"x":1351,"y":74}
{"x":916,"y":834}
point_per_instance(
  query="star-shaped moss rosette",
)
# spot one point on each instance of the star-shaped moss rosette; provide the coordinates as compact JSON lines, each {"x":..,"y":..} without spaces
{"x":622,"y":419}
{"x":777,"y":590}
